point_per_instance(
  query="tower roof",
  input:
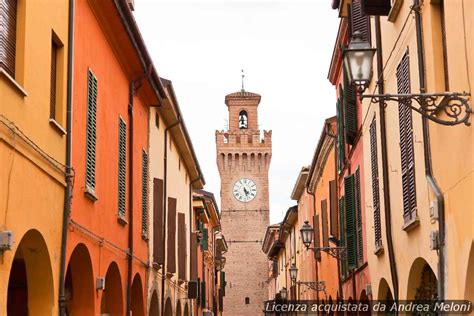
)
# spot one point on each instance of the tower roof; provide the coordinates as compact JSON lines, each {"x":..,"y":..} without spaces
{"x":242,"y":94}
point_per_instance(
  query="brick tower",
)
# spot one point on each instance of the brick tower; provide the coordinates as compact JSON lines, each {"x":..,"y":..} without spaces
{"x":243,"y":159}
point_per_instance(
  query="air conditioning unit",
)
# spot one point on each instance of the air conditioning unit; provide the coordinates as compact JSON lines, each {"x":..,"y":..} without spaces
{"x":6,"y":240}
{"x":100,"y":283}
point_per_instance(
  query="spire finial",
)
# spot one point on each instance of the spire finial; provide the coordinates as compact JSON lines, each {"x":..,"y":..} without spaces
{"x":243,"y":76}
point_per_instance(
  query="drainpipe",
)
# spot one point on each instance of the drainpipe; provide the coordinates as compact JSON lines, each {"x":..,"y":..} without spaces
{"x":191,"y":224}
{"x":165,"y":211}
{"x":386,"y":182}
{"x":132,"y":92}
{"x":69,"y":175}
{"x":427,"y":154}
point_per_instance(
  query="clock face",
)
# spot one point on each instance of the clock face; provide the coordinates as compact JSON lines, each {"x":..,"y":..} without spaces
{"x":245,"y":190}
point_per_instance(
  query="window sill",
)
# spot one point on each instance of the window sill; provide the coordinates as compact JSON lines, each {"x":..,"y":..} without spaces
{"x":411,"y":224}
{"x":145,"y":237}
{"x":396,"y":5}
{"x":12,"y":81}
{"x":121,"y":220}
{"x":378,"y":250}
{"x":156,"y":266}
{"x":90,"y":194}
{"x":57,"y":126}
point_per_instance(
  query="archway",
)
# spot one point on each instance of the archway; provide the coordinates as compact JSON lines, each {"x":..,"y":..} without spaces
{"x":186,"y":310}
{"x":137,"y":296}
{"x":154,"y":307}
{"x":178,"y":308}
{"x":384,"y":293}
{"x":168,"y":308}
{"x":364,"y":299}
{"x":79,"y":283}
{"x":112,"y":297}
{"x":422,"y":282}
{"x":30,"y":284}
{"x":469,"y":292}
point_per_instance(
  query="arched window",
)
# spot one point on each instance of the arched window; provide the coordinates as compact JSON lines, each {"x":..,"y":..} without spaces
{"x":243,"y":120}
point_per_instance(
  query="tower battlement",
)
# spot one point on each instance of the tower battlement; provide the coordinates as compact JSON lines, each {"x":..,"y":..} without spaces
{"x":243,"y":138}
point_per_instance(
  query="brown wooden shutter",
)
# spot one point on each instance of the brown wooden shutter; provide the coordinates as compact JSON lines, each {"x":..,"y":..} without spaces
{"x":359,"y":21}
{"x":375,"y":184}
{"x":317,"y":237}
{"x":406,"y":141}
{"x":171,"y":256}
{"x":52,"y":88}
{"x":333,"y":208}
{"x":194,"y":261}
{"x":324,"y":222}
{"x":181,"y":246}
{"x":360,"y":245}
{"x":158,"y":247}
{"x":350,"y":110}
{"x":8,"y":36}
{"x":376,"y":7}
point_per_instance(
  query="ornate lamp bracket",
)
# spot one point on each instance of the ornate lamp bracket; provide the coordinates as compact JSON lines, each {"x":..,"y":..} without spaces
{"x":455,"y":106}
{"x":337,"y":252}
{"x":314,"y":285}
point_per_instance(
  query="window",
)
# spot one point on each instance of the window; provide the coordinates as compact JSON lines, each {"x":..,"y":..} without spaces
{"x":157,"y":120}
{"x":342,"y":235}
{"x":359,"y":22}
{"x":350,"y":110}
{"x":406,"y":142}
{"x":55,"y":101}
{"x":247,"y":300}
{"x":91,"y":132}
{"x":340,"y":132}
{"x":350,"y":217}
{"x":324,"y":223}
{"x":122,"y":165}
{"x":375,"y":184}
{"x":8,"y":12}
{"x":144,"y":194}
{"x":243,"y":120}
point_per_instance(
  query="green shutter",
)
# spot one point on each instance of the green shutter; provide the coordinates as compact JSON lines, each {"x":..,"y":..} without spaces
{"x":350,"y":110}
{"x":91,"y":130}
{"x":205,"y":239}
{"x":342,"y":235}
{"x":360,"y":245}
{"x":144,"y":193}
{"x":340,"y":135}
{"x":122,"y":165}
{"x":203,"y":294}
{"x":351,"y":235}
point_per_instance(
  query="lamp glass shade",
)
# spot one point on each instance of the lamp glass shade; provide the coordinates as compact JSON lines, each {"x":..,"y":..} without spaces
{"x":293,"y":272}
{"x":307,"y":234}
{"x":358,"y":59}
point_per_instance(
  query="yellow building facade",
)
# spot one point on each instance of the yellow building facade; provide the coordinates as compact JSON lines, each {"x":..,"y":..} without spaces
{"x":33,"y":94}
{"x":426,"y":47}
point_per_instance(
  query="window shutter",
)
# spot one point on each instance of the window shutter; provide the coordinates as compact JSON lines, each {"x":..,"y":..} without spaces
{"x":406,"y":141}
{"x":340,"y":134}
{"x":122,"y":167}
{"x":375,"y":184}
{"x":52,"y":87}
{"x":317,"y":243}
{"x":333,"y":207}
{"x":205,"y":239}
{"x":360,"y":245}
{"x":91,"y":129}
{"x":203,"y":294}
{"x":223,"y":282}
{"x":8,"y":36}
{"x":376,"y":7}
{"x":171,"y":256}
{"x":181,"y":246}
{"x":324,"y":222}
{"x":193,"y":289}
{"x":350,"y":110}
{"x":342,"y":235}
{"x":194,"y":262}
{"x":221,"y":300}
{"x":144,"y":193}
{"x":158,"y":249}
{"x":351,"y":238}
{"x":359,"y":21}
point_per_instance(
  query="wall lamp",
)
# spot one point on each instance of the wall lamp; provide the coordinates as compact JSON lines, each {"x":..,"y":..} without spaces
{"x":307,"y":234}
{"x":313,"y":285}
{"x":357,"y":59}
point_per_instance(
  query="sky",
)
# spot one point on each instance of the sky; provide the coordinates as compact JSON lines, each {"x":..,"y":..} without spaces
{"x":285,"y":49}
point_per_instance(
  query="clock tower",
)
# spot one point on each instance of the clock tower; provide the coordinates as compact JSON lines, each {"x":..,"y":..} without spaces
{"x":243,"y":159}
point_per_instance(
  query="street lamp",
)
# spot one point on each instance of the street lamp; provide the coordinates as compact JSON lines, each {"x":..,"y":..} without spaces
{"x":283,"y":293}
{"x":357,"y":59}
{"x":307,"y":234}
{"x":293,"y":272}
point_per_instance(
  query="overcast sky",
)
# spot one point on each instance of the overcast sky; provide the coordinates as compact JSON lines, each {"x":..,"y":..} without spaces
{"x":285,"y":48}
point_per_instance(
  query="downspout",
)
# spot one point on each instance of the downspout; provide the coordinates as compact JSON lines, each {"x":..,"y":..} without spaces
{"x":131,"y":94}
{"x":165,"y":211}
{"x":386,"y":182}
{"x":68,"y":190}
{"x":427,"y":154}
